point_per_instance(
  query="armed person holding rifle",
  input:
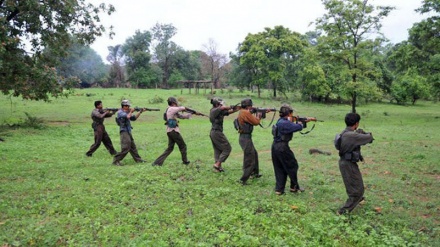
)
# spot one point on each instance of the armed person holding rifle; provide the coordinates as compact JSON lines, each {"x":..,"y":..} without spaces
{"x":173,"y":132}
{"x":100,"y":134}
{"x":124,"y":118}
{"x":247,"y":121}
{"x":349,"y":144}
{"x":221,"y":145}
{"x":283,"y":159}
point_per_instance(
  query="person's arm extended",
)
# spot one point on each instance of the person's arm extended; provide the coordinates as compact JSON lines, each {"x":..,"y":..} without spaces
{"x":249,"y":118}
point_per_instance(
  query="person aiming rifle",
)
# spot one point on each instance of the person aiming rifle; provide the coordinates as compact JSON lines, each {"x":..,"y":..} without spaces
{"x":283,"y":159}
{"x":123,"y":119}
{"x":222,"y":147}
{"x":246,"y":122}
{"x":349,"y":144}
{"x":100,"y":134}
{"x":171,"y":115}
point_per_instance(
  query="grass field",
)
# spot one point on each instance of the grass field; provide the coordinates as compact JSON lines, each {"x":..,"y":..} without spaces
{"x":51,"y":194}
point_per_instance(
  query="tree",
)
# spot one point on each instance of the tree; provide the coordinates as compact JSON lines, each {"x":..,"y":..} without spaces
{"x":424,"y":37}
{"x":312,"y":76}
{"x":115,"y":57}
{"x":187,"y":63}
{"x":271,"y":55}
{"x":215,"y":63}
{"x":27,"y":27}
{"x":164,"y":49}
{"x":137,"y":59}
{"x":345,"y":28}
{"x":410,"y":86}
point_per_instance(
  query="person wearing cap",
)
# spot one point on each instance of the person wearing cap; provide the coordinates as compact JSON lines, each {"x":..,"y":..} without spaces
{"x":221,"y":145}
{"x":247,"y":121}
{"x":283,"y":159}
{"x":173,"y":132}
{"x":124,"y":117}
{"x":100,"y":134}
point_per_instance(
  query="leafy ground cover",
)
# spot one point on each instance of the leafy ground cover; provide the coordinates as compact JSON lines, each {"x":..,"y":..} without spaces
{"x":51,"y":194}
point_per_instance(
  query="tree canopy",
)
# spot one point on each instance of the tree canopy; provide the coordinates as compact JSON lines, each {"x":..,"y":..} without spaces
{"x":27,"y":28}
{"x":346,"y":27}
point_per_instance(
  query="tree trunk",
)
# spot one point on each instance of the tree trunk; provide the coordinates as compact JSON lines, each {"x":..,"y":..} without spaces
{"x":353,"y":102}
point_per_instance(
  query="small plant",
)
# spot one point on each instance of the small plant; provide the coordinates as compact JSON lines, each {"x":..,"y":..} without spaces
{"x":156,"y":100}
{"x":33,"y":122}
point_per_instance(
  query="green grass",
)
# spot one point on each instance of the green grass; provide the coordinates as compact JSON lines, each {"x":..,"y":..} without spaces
{"x":51,"y":194}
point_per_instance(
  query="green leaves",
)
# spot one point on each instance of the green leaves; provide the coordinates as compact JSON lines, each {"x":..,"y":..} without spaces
{"x":269,"y":56}
{"x":29,"y":27}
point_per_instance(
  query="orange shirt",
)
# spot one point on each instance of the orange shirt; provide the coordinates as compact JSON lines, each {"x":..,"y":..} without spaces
{"x":246,"y":116}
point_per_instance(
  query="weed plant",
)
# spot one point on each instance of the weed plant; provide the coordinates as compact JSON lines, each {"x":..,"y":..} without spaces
{"x":51,"y":194}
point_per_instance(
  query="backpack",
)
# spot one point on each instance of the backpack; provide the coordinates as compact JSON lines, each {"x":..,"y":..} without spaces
{"x":237,"y":124}
{"x":119,"y":121}
{"x":337,"y":141}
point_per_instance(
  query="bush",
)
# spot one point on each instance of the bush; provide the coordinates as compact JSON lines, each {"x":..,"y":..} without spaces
{"x":156,"y":100}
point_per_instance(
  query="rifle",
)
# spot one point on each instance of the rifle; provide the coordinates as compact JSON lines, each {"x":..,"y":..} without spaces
{"x":111,"y":109}
{"x":145,"y":109}
{"x":304,"y":121}
{"x":262,"y":111}
{"x":192,"y":111}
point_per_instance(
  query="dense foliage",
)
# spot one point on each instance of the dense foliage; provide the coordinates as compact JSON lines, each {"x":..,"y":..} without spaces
{"x":27,"y":28}
{"x":345,"y":59}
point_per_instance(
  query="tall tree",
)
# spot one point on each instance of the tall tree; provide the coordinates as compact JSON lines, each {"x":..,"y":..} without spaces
{"x":115,"y":57}
{"x":137,"y":59}
{"x":424,"y":37}
{"x":346,"y":28}
{"x":27,"y":27}
{"x":270,"y":56}
{"x":164,"y":49}
{"x":215,"y":63}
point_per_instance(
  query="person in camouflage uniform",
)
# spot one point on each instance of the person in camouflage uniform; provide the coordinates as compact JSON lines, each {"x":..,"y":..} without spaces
{"x":349,"y":146}
{"x":101,"y":136}
{"x":221,"y":145}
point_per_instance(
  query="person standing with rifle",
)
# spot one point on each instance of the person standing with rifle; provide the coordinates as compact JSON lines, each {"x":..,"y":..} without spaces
{"x":100,"y":134}
{"x":221,"y":145}
{"x":349,"y":144}
{"x":283,"y":159}
{"x":173,"y":131}
{"x":124,"y":118}
{"x":247,"y":121}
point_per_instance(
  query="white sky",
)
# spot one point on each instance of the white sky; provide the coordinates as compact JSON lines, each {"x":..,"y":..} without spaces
{"x":228,"y":22}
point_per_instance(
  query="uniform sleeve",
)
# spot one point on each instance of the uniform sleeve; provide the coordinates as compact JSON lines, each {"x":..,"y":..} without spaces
{"x":287,"y":127}
{"x":96,"y":114}
{"x":362,"y":139}
{"x":246,"y":116}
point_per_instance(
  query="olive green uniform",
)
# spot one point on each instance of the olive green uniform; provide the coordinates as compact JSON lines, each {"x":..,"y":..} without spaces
{"x":221,"y":145}
{"x":350,"y":154}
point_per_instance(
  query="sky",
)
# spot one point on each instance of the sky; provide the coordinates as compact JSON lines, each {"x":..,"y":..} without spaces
{"x":227,"y":22}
